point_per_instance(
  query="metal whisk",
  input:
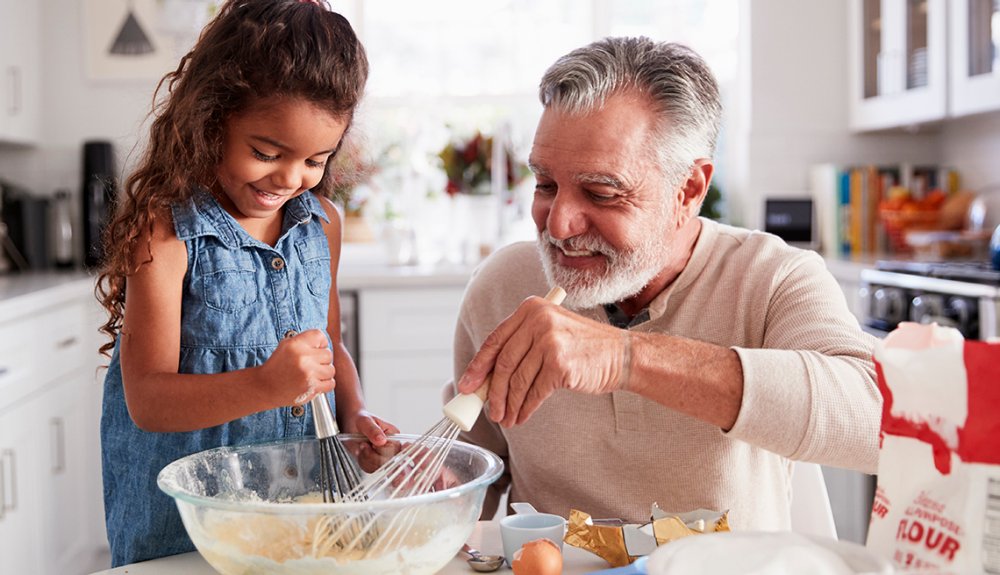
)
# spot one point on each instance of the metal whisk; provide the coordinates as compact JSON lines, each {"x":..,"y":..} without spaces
{"x":339,"y":471}
{"x":413,"y":471}
{"x":340,"y":476}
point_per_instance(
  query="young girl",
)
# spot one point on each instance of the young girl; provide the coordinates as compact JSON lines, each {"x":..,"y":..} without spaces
{"x":222,"y":258}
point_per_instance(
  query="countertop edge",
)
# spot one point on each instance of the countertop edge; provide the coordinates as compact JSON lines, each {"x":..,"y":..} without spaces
{"x":24,"y":294}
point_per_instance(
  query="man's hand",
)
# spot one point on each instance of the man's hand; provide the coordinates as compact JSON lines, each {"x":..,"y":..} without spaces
{"x":540,"y":348}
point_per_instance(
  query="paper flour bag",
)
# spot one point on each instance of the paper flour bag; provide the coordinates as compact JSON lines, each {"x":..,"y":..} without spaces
{"x":937,"y":504}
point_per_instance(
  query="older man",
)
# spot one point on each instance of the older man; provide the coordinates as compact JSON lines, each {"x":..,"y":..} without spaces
{"x":691,"y":361}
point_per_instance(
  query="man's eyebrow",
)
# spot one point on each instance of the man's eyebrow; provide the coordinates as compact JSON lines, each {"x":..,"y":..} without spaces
{"x":600,"y":179}
{"x":537,"y":170}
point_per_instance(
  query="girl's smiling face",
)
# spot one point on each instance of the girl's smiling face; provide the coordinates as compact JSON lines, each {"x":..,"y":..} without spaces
{"x":272,"y":152}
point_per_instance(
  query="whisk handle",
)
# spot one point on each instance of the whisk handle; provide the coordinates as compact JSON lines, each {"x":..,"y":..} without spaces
{"x":464,"y":408}
{"x":326,"y":424}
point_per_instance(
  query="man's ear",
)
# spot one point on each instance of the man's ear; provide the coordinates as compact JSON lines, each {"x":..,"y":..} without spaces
{"x":696,"y":187}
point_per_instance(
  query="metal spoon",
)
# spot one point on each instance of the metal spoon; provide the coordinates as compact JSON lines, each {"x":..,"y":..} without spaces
{"x":480,"y":562}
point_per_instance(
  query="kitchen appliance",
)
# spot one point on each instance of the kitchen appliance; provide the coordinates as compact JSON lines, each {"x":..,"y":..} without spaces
{"x":793,"y":220}
{"x":26,"y":218}
{"x":98,"y":195}
{"x":963,"y":294}
{"x":61,"y":227}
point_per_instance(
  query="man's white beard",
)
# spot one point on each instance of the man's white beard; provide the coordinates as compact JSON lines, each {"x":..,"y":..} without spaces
{"x":624,"y":276}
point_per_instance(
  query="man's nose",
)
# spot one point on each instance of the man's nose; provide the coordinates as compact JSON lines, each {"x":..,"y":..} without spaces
{"x":567,"y":217}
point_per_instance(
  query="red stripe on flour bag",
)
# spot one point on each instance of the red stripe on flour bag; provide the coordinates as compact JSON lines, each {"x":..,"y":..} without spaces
{"x":979,"y":439}
{"x":905,"y":428}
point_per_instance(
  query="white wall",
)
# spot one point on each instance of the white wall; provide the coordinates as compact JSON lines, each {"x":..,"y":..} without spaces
{"x":74,"y":109}
{"x":796,"y":105}
{"x":973,"y":144}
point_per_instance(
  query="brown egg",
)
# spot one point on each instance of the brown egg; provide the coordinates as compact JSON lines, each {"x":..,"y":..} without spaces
{"x":538,"y":557}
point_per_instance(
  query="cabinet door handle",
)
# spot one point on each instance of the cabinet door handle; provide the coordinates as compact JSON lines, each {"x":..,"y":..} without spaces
{"x":8,"y":464}
{"x":68,"y":342}
{"x":58,"y":430}
{"x":15,"y":90}
{"x":3,"y":489}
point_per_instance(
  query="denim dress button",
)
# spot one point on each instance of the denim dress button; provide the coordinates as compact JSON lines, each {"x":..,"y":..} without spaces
{"x":298,"y":411}
{"x":278,"y":264}
{"x":291,"y":333}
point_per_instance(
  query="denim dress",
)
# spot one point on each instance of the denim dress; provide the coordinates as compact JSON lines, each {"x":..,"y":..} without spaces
{"x":240,"y":297}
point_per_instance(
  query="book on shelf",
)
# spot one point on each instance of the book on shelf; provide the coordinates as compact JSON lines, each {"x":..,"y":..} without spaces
{"x":852,"y":201}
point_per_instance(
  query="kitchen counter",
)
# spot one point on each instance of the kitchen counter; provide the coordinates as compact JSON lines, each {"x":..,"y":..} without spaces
{"x":849,"y":269}
{"x":367,"y":266}
{"x":485,"y":537}
{"x":24,"y":294}
{"x":355,"y":276}
{"x":362,"y":266}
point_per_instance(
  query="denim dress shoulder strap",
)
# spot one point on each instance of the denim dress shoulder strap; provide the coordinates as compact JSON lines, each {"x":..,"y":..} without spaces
{"x":240,"y":297}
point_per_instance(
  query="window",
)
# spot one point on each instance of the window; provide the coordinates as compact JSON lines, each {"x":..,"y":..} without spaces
{"x":445,"y":68}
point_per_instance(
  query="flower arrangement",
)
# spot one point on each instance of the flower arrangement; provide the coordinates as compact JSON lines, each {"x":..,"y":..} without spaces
{"x":469,"y":165}
{"x":352,"y":167}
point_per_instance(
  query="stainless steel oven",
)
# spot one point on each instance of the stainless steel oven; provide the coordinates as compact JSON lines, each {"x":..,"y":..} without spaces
{"x":349,"y":324}
{"x":963,"y":295}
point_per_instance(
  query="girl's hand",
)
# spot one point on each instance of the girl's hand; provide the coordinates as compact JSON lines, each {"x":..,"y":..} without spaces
{"x":300,"y":368}
{"x":372,"y":427}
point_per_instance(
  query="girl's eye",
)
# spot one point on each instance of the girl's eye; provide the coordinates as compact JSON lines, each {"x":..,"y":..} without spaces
{"x":262,"y":156}
{"x":315,"y":164}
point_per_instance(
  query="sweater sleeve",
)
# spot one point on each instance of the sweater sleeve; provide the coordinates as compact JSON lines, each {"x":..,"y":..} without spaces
{"x":815,"y":369}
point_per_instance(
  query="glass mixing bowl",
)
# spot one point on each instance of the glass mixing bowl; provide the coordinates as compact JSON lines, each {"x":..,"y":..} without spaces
{"x":258,"y":509}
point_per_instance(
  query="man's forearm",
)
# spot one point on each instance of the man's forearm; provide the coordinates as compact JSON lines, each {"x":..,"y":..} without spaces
{"x":696,"y":378}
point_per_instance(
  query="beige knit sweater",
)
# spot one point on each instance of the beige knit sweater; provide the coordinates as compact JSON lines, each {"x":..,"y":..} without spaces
{"x":809,"y":391}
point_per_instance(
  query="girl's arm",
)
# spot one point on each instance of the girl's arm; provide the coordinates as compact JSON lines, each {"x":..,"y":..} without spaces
{"x":351,"y":413}
{"x":159,"y":398}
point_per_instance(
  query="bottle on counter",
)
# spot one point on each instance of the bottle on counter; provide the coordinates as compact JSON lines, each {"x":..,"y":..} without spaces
{"x":995,"y":249}
{"x":62,"y":230}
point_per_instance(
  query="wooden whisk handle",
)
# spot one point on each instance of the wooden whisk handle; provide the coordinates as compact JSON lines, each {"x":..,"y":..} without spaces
{"x":464,"y":408}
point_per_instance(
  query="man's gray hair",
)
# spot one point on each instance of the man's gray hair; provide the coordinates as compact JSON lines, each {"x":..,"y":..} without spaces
{"x":676,"y":80}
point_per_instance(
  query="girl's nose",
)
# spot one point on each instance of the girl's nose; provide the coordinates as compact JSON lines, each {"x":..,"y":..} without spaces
{"x":287,"y":177}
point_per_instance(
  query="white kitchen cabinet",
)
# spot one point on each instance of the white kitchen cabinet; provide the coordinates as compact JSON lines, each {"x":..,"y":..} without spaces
{"x":974,"y":67}
{"x":52,"y":518}
{"x":897,"y":62}
{"x":406,"y":340}
{"x":20,"y":71}
{"x":19,"y":525}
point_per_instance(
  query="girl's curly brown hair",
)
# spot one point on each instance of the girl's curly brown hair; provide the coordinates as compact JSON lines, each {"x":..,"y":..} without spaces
{"x":251,"y":50}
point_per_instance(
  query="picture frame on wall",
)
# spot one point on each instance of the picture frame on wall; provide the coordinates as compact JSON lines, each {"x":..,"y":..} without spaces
{"x":123,"y":40}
